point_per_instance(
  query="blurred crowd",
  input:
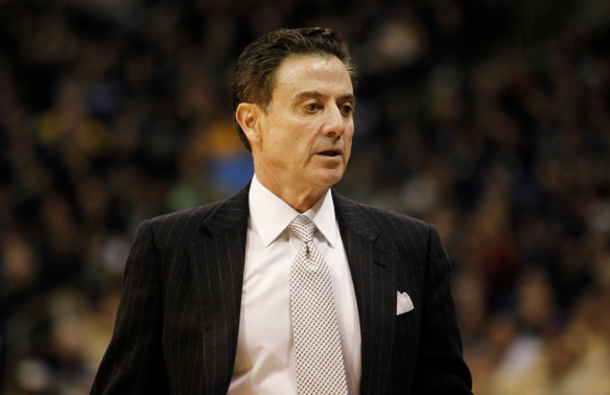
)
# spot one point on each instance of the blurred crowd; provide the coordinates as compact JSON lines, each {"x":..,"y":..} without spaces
{"x":488,"y":118}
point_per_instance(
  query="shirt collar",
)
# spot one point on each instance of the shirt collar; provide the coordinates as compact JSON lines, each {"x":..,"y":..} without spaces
{"x":271,"y":215}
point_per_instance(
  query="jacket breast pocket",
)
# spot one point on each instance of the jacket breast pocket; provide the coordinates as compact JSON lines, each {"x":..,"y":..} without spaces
{"x":405,"y":321}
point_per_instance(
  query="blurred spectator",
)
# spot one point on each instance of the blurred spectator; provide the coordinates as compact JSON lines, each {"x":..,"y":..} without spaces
{"x":489,"y":119}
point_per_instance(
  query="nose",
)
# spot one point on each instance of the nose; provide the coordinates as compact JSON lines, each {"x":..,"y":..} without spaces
{"x":335,"y":122}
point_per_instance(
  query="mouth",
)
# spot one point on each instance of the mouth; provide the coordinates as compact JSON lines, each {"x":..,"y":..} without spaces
{"x":330,"y":153}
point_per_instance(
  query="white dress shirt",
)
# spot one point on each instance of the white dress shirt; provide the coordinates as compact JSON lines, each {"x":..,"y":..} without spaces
{"x":265,"y":359}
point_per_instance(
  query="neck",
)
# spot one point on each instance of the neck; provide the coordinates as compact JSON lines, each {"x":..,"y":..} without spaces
{"x":300,"y":199}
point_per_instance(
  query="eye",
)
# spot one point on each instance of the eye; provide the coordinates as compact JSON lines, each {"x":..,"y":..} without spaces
{"x":347,"y":109}
{"x":312,"y":107}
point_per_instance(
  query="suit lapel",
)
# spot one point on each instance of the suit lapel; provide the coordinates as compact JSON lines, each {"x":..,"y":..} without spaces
{"x":372,"y":271}
{"x":217,"y":262}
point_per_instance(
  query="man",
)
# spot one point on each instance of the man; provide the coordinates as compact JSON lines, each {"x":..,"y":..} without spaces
{"x":236,"y":297}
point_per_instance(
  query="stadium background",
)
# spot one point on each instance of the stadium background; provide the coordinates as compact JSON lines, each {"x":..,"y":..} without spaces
{"x":488,"y":118}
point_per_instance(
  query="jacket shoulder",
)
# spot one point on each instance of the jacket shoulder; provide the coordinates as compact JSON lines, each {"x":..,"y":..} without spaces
{"x":383,"y":219}
{"x":173,"y":233}
{"x":186,"y":221}
{"x":396,"y":217}
{"x":217,"y":216}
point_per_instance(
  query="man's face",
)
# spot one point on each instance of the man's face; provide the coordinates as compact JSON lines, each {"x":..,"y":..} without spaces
{"x":306,"y":131}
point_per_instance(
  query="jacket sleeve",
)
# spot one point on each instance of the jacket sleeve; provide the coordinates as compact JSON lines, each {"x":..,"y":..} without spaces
{"x":440,"y":367}
{"x":133,"y":363}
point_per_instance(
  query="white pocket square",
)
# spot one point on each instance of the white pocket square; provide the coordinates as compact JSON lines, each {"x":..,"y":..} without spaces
{"x":403,"y":303}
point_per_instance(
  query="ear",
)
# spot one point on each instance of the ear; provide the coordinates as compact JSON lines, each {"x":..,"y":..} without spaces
{"x":248,"y":116}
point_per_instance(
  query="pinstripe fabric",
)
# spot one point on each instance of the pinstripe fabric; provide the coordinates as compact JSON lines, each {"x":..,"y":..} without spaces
{"x":419,"y":352}
{"x":177,"y":324}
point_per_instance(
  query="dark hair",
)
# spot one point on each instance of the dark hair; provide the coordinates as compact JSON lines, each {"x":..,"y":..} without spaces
{"x":256,"y":66}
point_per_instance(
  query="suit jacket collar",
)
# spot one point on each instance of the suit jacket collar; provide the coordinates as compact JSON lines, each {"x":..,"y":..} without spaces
{"x":230,"y":212}
{"x":351,"y":216}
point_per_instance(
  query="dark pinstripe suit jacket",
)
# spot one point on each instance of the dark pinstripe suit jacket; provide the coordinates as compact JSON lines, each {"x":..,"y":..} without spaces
{"x":177,"y":324}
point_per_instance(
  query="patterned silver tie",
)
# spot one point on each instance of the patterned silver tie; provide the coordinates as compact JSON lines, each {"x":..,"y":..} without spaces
{"x":317,"y":346}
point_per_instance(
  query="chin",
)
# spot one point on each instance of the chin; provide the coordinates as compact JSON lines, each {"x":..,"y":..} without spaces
{"x":329,"y":179}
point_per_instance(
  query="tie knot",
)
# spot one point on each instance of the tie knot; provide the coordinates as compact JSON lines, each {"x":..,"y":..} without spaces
{"x":302,"y":227}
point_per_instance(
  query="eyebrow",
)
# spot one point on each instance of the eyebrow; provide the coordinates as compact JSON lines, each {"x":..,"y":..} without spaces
{"x":318,"y":95}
